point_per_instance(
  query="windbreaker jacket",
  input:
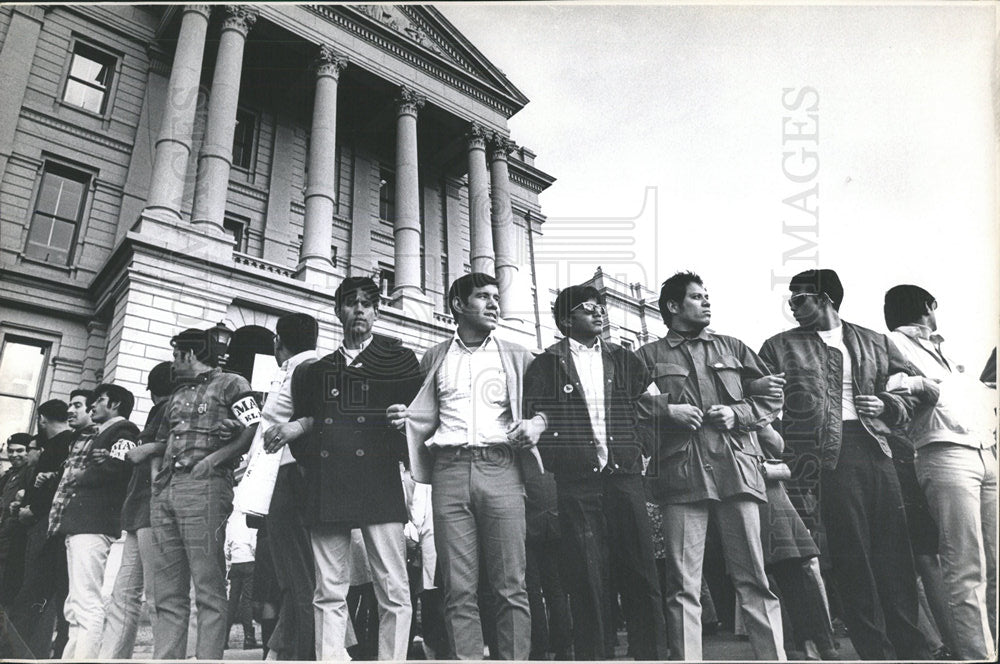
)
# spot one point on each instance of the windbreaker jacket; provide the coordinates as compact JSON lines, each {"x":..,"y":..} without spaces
{"x":552,"y":387}
{"x":812,"y":418}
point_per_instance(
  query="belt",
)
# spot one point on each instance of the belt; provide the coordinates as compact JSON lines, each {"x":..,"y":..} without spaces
{"x":474,"y":452}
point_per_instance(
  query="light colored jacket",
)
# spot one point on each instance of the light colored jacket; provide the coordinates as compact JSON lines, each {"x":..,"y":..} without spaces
{"x":424,"y":411}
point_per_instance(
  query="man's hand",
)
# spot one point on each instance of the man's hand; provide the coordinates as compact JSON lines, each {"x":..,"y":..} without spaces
{"x":203,"y":469}
{"x":525,"y":433}
{"x":686,"y":414}
{"x":929,"y":388}
{"x":139,"y":453}
{"x":721,"y":417}
{"x":100,"y":455}
{"x":280,"y":435}
{"x":25,"y":515}
{"x":15,"y":505}
{"x":768,"y":386}
{"x":229,"y":429}
{"x":868,"y":405}
{"x":397,"y":415}
{"x":42,"y":478}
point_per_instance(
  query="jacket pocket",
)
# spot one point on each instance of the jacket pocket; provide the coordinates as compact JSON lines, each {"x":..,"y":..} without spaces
{"x":670,"y":378}
{"x":729,"y":374}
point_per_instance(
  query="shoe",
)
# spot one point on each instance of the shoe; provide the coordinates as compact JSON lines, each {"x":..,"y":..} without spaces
{"x":829,"y":654}
{"x":250,"y":644}
{"x":710,"y":628}
{"x":942,"y":653}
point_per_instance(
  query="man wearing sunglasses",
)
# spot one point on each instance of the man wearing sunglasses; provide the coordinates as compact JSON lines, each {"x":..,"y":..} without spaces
{"x":706,"y":464}
{"x":837,"y":414}
{"x":588,"y":390}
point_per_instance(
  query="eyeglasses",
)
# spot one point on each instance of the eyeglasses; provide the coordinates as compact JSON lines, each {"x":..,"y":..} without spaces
{"x":797,"y":299}
{"x":591,"y":308}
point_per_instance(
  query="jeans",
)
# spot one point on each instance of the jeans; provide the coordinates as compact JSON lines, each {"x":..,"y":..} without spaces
{"x":86,"y":557}
{"x":135,"y":578}
{"x":189,"y":532}
{"x":961,"y":487}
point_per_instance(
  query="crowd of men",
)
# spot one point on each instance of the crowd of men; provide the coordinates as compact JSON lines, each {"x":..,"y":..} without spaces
{"x":546,"y":499}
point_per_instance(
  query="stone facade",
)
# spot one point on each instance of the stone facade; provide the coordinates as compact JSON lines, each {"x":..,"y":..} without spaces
{"x":163,"y":167}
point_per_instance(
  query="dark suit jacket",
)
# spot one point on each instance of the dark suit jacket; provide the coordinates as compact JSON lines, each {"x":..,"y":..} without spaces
{"x":99,"y":491}
{"x":552,"y":387}
{"x":351,"y":457}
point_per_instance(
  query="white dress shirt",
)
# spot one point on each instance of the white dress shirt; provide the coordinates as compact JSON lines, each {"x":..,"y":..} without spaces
{"x":835,"y":339}
{"x":472,"y":393}
{"x":351,"y":354}
{"x":589,"y":364}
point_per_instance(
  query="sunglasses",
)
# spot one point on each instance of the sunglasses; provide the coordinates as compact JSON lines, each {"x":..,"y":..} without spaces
{"x":797,"y":299}
{"x":591,"y":308}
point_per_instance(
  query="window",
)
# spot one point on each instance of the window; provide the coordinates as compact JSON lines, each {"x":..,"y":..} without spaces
{"x":22,"y":370}
{"x":237,"y":227}
{"x":387,"y":279}
{"x":89,"y":82}
{"x":244,"y":139}
{"x":387,"y":195}
{"x":57,"y":215}
{"x":626,"y":344}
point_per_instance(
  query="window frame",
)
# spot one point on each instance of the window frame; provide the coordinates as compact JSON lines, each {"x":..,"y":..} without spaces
{"x":241,"y":244}
{"x":387,"y":183}
{"x":46,"y":347}
{"x":88,"y":179}
{"x":251,"y":166}
{"x":110,"y":91}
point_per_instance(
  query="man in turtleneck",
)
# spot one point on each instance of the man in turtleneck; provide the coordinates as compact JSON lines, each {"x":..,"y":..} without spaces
{"x":705,"y":463}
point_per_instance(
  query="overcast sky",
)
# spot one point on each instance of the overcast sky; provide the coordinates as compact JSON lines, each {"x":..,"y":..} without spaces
{"x":664,"y":126}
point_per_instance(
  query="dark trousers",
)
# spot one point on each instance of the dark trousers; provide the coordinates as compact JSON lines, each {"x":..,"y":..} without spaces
{"x":603,"y":521}
{"x":240,"y":594}
{"x":38,"y":605}
{"x":294,"y":634}
{"x":803,"y":599}
{"x":550,"y":623}
{"x":862,"y":511}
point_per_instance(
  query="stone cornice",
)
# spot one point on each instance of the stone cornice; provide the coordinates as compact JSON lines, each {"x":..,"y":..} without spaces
{"x":75,"y":130}
{"x":529,"y":177}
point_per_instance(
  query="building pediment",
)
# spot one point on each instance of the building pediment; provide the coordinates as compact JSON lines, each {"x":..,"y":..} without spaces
{"x":440,"y":48}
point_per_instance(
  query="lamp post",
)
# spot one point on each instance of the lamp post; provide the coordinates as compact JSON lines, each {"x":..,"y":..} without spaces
{"x":221,"y":336}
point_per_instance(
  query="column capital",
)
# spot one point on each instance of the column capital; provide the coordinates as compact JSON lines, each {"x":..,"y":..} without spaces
{"x":500,"y":146}
{"x":329,"y":62}
{"x":204,"y":10}
{"x":240,"y":18}
{"x":476,"y":136}
{"x":409,"y":101}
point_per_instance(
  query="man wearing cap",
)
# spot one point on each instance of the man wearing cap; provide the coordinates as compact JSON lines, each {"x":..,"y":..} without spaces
{"x":350,"y":458}
{"x":706,"y":464}
{"x":588,"y":391}
{"x":837,"y":413}
{"x":87,"y":511}
{"x":193,"y":495}
{"x":135,"y":574}
{"x":12,"y":484}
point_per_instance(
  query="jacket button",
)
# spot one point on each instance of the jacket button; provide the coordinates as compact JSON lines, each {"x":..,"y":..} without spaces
{"x":596,"y":470}
{"x":324,"y":454}
{"x":335,"y":392}
{"x":593,"y":442}
{"x":610,"y":438}
{"x":555,"y":434}
{"x":364,"y":387}
{"x":616,"y":466}
{"x":707,"y":467}
{"x":361,"y":419}
{"x":359,"y":453}
{"x":328,"y":420}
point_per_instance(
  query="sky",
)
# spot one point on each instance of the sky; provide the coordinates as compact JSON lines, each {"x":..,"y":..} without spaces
{"x":750,"y":142}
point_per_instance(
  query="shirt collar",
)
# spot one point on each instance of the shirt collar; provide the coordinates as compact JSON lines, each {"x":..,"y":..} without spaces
{"x":675,"y":339}
{"x":457,"y":342}
{"x":577,"y":347}
{"x":918,"y":331}
{"x":297,"y":359}
{"x":356,"y":351}
{"x":105,"y":425}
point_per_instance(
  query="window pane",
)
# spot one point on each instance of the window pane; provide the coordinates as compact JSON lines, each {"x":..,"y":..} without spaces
{"x":243,"y":139}
{"x":15,"y":416}
{"x":62,"y":235}
{"x":21,"y":368}
{"x":90,"y":75}
{"x":60,"y":196}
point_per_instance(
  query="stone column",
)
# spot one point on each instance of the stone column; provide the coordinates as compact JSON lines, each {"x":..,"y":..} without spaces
{"x":504,"y":240}
{"x":173,"y":147}
{"x":315,"y":264}
{"x":480,"y":237}
{"x":211,"y":189}
{"x":406,"y":226}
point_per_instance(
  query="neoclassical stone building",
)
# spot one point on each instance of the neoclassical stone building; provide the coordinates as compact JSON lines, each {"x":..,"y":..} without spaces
{"x":163,"y":167}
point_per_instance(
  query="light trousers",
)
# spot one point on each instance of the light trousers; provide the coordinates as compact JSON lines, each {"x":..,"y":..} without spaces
{"x":386,"y":547}
{"x":86,"y":558}
{"x":135,"y":578}
{"x":961,"y":487}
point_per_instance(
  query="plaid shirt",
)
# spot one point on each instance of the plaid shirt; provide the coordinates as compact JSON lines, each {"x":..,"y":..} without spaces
{"x":190,"y":425}
{"x":75,"y":463}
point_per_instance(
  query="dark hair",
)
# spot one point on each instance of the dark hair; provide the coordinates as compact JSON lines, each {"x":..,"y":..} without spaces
{"x":905,"y":304}
{"x":463,"y":286}
{"x":117,"y":394}
{"x":571,"y":297}
{"x":298,"y":332}
{"x":820,"y":281}
{"x":674,"y":289}
{"x":22,"y":439}
{"x":54,"y":410}
{"x":160,"y":382}
{"x":88,"y":396}
{"x":199,"y":341}
{"x":353,"y":284}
